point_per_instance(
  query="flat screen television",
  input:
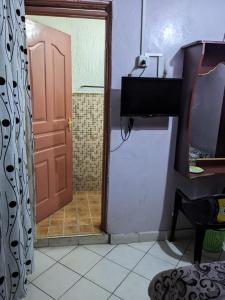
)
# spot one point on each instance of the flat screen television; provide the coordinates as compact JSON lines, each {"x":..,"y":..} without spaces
{"x":146,"y":96}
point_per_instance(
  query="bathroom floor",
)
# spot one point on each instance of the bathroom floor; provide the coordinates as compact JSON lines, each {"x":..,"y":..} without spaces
{"x":81,"y":216}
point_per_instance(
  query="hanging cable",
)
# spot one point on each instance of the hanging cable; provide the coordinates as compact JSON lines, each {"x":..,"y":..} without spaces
{"x":130,"y":127}
{"x":142,"y":72}
{"x":117,"y":147}
{"x":142,"y":25}
{"x":124,"y":138}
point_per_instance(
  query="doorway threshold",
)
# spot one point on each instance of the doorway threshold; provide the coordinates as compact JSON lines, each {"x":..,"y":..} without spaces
{"x":87,"y":239}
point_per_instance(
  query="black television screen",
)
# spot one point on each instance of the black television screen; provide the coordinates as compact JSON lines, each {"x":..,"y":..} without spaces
{"x":146,"y":96}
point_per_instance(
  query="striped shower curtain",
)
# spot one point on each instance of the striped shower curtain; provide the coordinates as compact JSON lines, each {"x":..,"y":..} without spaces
{"x":16,"y":163}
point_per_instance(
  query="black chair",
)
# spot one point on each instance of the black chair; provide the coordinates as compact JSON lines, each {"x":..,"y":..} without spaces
{"x":202,"y":213}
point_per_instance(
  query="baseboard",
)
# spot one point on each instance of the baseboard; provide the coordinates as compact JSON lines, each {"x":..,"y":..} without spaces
{"x":147,"y":236}
{"x":114,"y":239}
{"x":73,"y":240}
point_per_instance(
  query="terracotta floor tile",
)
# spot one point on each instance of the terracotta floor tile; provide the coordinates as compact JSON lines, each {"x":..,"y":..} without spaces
{"x":70,"y":214}
{"x":74,"y":218}
{"x":80,"y":197}
{"x":84,"y":215}
{"x":55,"y":230}
{"x":80,"y":193}
{"x":96,"y":221}
{"x":84,"y":209}
{"x":93,"y":194}
{"x":70,"y":222}
{"x":42,"y":231}
{"x":72,"y":205}
{"x":59,"y":214}
{"x":82,"y":203}
{"x":95,"y":211}
{"x":85,"y":221}
{"x":94,"y":202}
{"x":86,"y":228}
{"x":94,"y":198}
{"x":56,"y":218}
{"x":44,"y":223}
{"x":56,"y":222}
{"x":71,"y":230}
{"x":95,"y":215}
{"x":97,"y":228}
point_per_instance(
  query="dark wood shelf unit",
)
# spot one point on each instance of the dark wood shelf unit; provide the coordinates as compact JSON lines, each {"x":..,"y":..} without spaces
{"x":201,"y":59}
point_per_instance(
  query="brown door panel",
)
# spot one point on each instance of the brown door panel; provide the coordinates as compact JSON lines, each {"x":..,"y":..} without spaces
{"x":50,"y":77}
{"x":53,"y":180}
{"x":50,"y":139}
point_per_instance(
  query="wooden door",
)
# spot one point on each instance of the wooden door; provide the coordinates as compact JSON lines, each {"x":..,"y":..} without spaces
{"x":50,"y":78}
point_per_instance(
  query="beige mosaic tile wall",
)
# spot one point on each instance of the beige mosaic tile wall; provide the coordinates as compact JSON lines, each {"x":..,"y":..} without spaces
{"x":87,"y":141}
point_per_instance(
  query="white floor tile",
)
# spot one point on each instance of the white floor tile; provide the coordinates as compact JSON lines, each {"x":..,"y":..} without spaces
{"x":35,"y":294}
{"x":85,"y":290}
{"x":107,"y":274}
{"x":81,"y":260}
{"x":57,"y":252}
{"x":134,"y":287}
{"x":100,"y":249}
{"x":150,"y":265}
{"x":181,"y":244}
{"x":166,"y":251}
{"x":126,"y":256}
{"x":144,"y":246}
{"x":113,"y":297}
{"x":186,"y":260}
{"x":56,"y":280}
{"x":41,"y":263}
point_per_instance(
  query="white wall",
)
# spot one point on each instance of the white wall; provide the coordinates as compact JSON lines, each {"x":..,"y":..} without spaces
{"x":142,"y":179}
{"x":88,"y":48}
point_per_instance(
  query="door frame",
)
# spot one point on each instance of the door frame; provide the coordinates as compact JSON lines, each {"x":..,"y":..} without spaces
{"x":96,"y":9}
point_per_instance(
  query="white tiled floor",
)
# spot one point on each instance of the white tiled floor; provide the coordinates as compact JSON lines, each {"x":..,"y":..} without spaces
{"x":106,"y":272}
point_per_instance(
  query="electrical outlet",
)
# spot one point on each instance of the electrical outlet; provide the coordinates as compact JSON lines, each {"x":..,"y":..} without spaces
{"x":142,"y":61}
{"x":159,"y":58}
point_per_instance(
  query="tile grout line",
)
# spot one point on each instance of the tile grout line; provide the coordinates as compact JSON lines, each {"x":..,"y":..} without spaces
{"x":132,"y":270}
{"x":74,"y":247}
{"x":77,"y":218}
{"x":55,"y":262}
{"x":185,"y":251}
{"x":90,"y":213}
{"x":43,"y":291}
{"x":129,"y":273}
{"x":102,"y":257}
{"x":83,"y":276}
{"x":140,"y":249}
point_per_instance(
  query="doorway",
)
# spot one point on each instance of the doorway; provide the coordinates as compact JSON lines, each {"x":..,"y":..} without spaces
{"x":85,"y":212}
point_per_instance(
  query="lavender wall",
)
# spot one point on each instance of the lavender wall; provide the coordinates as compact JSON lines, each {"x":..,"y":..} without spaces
{"x":141,"y":175}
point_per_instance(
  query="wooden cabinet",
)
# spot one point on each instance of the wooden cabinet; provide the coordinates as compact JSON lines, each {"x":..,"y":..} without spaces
{"x":201,"y":130}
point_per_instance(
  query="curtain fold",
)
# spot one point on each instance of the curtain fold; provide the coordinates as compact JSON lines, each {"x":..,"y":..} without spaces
{"x":16,"y":154}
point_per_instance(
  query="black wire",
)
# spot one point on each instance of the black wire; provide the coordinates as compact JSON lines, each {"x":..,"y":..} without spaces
{"x":121,"y":132}
{"x":117,"y":147}
{"x":124,"y":139}
{"x":142,"y":72}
